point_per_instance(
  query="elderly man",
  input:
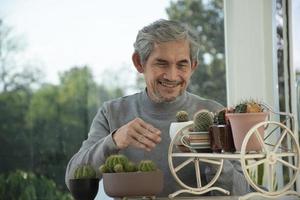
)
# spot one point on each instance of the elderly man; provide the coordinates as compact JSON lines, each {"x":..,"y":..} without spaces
{"x":137,"y":125}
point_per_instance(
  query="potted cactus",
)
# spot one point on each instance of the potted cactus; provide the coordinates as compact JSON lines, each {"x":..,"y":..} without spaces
{"x":84,"y":184}
{"x":198,"y":137}
{"x":116,"y":164}
{"x":182,"y":120}
{"x":220,"y":133}
{"x":242,"y":118}
{"x":123,"y":178}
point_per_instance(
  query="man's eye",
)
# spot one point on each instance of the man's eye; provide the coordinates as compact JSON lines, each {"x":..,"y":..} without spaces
{"x":161,"y":64}
{"x":182,"y":66}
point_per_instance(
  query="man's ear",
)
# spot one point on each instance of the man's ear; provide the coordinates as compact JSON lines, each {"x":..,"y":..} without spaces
{"x":194,"y":65}
{"x":137,"y":62}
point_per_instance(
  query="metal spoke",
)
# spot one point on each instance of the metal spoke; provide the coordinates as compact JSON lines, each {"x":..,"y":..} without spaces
{"x":255,"y":156}
{"x":210,"y":161}
{"x":270,"y":177}
{"x":287,"y":164}
{"x":179,"y":167}
{"x":286,"y":154}
{"x":198,"y":174}
{"x":279,"y":141}
{"x":256,"y":163}
{"x":262,"y":143}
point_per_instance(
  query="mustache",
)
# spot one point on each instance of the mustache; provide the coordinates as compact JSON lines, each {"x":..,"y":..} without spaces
{"x":167,"y":81}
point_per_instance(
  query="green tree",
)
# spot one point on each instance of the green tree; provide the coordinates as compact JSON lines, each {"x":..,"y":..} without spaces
{"x":14,"y":143}
{"x":206,"y":17}
{"x":59,"y":118}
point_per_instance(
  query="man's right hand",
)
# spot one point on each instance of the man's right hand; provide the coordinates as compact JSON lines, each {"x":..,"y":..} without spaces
{"x":137,"y":133}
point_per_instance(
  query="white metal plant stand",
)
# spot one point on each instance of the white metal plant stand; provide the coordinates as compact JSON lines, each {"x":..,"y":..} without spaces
{"x":270,"y":156}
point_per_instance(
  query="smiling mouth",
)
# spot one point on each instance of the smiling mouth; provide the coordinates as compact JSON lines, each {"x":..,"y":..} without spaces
{"x":169,"y":84}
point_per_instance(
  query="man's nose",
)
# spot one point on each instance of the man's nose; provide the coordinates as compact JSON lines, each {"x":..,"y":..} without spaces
{"x":171,"y":73}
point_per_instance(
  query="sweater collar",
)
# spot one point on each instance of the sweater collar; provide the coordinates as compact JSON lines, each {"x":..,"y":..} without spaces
{"x":151,"y":106}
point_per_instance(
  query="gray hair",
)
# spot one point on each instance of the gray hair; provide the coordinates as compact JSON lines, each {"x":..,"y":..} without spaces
{"x":164,"y":31}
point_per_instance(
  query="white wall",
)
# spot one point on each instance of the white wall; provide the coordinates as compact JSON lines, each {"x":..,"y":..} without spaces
{"x":250,"y":45}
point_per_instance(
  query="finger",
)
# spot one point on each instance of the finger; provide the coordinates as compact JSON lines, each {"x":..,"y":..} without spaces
{"x":148,"y":126}
{"x":146,"y":131}
{"x":143,"y":140}
{"x":138,"y":144}
{"x":146,"y":137}
{"x":151,"y":128}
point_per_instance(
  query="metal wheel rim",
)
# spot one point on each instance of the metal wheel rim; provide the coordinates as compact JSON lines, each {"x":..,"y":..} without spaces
{"x":243,"y":160}
{"x":172,"y":169}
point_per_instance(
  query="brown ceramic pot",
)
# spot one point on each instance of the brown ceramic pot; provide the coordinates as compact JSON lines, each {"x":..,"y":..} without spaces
{"x":133,"y":184}
{"x":221,"y":138}
{"x":227,"y":140}
{"x":84,"y":189}
{"x":215,"y":134}
{"x":241,"y":123}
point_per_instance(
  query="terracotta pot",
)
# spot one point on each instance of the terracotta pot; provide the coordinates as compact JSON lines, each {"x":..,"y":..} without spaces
{"x":241,"y":123}
{"x":84,"y":189}
{"x":133,"y":184}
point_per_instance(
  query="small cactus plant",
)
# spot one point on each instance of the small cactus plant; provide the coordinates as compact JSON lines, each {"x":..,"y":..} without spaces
{"x":117,"y":163}
{"x":118,"y":168}
{"x":147,"y":166}
{"x":130,"y":167}
{"x":103,"y":169}
{"x":85,"y":171}
{"x":120,"y":163}
{"x":113,"y":160}
{"x":248,"y":106}
{"x":202,"y":120}
{"x":220,"y":117}
{"x":182,"y":116}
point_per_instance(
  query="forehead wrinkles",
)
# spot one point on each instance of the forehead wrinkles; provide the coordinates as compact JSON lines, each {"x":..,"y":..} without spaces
{"x":174,"y":51}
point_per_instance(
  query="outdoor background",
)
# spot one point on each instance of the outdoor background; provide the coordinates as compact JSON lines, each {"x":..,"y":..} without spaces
{"x":61,"y":59}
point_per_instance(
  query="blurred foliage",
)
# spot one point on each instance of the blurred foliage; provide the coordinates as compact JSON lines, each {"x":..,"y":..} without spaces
{"x":21,"y":185}
{"x":40,"y":129}
{"x":206,"y":17}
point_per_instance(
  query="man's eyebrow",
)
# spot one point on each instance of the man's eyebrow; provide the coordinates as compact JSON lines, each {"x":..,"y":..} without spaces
{"x":161,"y":60}
{"x":183,"y":61}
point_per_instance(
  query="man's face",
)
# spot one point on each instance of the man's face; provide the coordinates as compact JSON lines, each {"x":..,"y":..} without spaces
{"x":168,"y":70}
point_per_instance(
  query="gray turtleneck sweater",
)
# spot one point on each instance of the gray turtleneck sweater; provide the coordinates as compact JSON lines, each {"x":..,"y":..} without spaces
{"x":115,"y":113}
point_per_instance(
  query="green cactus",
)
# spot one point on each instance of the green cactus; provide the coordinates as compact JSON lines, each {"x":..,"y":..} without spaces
{"x":85,"y":171}
{"x":103,"y":169}
{"x":113,"y":160}
{"x":241,"y":108}
{"x":120,"y":163}
{"x":118,"y":168}
{"x":182,"y":116}
{"x":130,"y":167}
{"x":248,"y":106}
{"x":221,"y":120}
{"x":202,"y":120}
{"x":147,"y":166}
